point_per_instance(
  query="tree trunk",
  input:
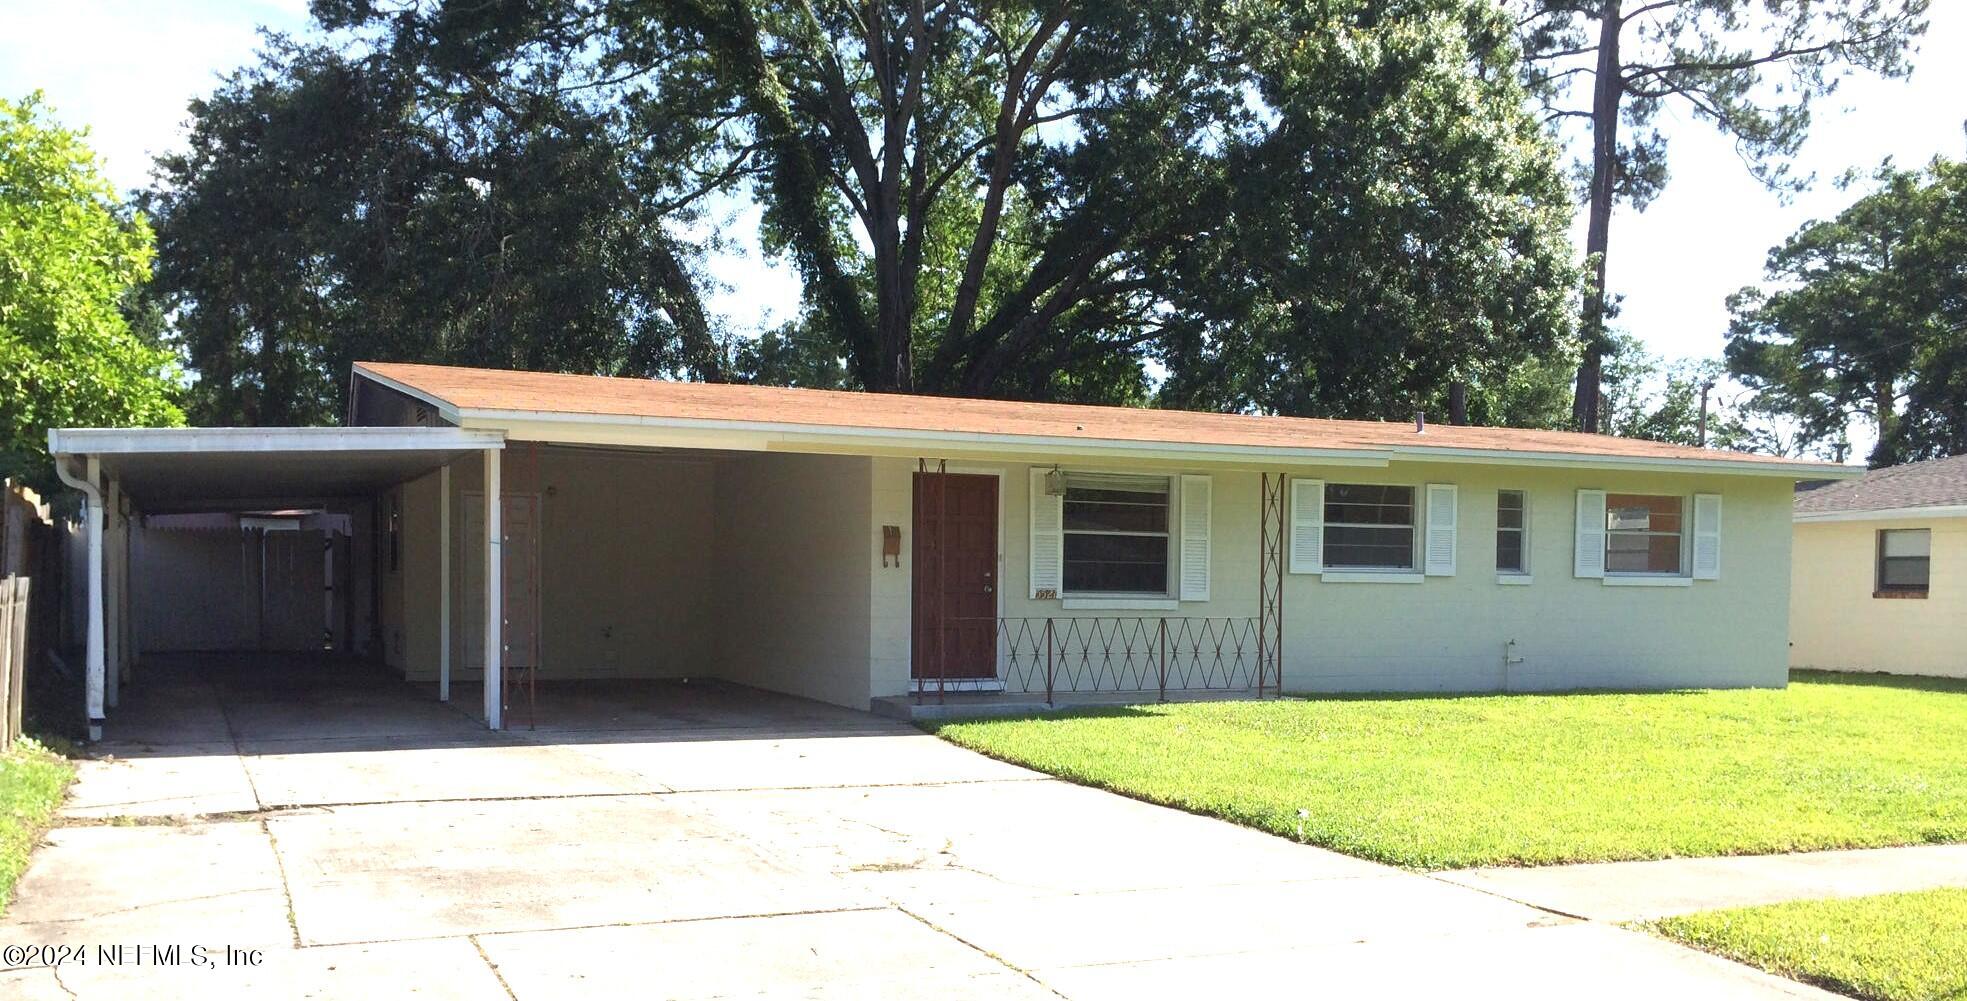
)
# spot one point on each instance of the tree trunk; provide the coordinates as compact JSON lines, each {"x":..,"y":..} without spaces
{"x":1458,"y":402}
{"x":1607,"y":94}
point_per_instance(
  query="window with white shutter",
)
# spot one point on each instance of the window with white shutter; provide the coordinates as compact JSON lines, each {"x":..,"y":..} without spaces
{"x":1707,"y":537}
{"x":1589,"y":557}
{"x":1307,"y":526}
{"x":1441,"y":518}
{"x":1197,"y":496}
{"x":1047,"y":538}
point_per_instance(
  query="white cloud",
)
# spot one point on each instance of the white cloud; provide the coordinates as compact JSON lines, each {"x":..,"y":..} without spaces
{"x":126,"y":68}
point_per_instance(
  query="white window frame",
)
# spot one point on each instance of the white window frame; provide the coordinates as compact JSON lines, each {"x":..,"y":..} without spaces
{"x":1655,"y":577}
{"x":1878,"y":586}
{"x":1169,"y":593}
{"x":1520,"y":575}
{"x":1412,"y":573}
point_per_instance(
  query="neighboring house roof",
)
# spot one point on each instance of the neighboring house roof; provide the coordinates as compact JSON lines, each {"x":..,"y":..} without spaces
{"x":1935,"y":487}
{"x":488,"y":396}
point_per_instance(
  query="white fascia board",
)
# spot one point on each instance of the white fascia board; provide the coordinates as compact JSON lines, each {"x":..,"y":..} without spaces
{"x":1886,"y":514}
{"x":139,"y":441}
{"x":444,"y":408}
{"x":1784,"y":470}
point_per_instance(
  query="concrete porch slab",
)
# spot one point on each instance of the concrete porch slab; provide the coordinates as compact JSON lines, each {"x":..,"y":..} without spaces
{"x":404,"y":769}
{"x":845,"y":954}
{"x":441,"y":970}
{"x":175,"y":780}
{"x":1543,"y":963}
{"x":440,"y":869}
{"x":904,"y":756}
{"x":207,"y":883}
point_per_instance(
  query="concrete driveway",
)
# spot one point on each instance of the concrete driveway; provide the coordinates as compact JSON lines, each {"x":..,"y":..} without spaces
{"x":346,"y":836}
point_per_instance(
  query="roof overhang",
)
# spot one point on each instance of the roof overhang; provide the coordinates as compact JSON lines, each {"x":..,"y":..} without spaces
{"x":1884,"y":514}
{"x":232,"y":469}
{"x":775,"y":436}
{"x":767,"y":436}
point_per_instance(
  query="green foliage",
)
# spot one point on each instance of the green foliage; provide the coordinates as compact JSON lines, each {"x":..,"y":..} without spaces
{"x":68,"y":259}
{"x":1868,"y":318}
{"x":1833,"y":761}
{"x":405,"y":197}
{"x":1399,"y":226}
{"x":32,"y":782}
{"x":1312,"y":208}
{"x":1890,"y":947}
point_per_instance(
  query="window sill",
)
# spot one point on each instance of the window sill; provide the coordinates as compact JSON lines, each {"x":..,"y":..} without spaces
{"x":1914,"y":595}
{"x":1371,"y":577}
{"x":1515,"y":579}
{"x":1120,"y":603}
{"x":1648,"y":581}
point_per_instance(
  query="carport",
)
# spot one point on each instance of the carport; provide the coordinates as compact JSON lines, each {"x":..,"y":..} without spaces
{"x":125,"y":473}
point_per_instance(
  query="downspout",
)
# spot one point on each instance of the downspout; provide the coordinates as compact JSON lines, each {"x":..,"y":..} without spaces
{"x":93,"y":524}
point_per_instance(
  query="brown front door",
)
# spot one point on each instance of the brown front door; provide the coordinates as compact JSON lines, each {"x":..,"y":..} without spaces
{"x":955,"y":560}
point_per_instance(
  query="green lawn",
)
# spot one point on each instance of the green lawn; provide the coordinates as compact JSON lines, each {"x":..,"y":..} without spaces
{"x":32,"y":780}
{"x":1894,"y":947}
{"x":1833,"y":761}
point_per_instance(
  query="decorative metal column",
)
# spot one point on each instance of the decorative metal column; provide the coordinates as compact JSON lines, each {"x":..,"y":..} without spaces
{"x":1270,"y":584}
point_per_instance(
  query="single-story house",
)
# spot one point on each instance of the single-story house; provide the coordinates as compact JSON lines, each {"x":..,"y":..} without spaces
{"x":866,"y":549}
{"x":1880,"y":572}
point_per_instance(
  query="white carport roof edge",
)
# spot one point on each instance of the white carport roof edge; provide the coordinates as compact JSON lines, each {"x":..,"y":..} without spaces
{"x":138,"y":441}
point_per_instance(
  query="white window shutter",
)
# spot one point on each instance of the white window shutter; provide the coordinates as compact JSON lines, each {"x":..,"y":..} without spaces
{"x":1589,"y":559}
{"x":1707,"y":536}
{"x":1047,"y":538}
{"x":1307,"y":526}
{"x":1196,"y":502}
{"x":1441,"y":514}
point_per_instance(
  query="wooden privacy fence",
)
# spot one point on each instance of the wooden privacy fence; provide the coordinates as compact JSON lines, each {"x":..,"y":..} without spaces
{"x":13,"y":654}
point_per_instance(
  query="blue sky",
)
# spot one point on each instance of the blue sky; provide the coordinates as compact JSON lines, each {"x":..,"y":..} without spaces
{"x":125,"y":68}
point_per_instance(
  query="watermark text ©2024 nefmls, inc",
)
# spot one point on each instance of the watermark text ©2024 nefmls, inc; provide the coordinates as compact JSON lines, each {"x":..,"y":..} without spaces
{"x":16,"y":957}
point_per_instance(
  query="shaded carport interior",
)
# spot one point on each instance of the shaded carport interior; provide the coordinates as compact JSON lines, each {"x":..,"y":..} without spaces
{"x":204,"y":470}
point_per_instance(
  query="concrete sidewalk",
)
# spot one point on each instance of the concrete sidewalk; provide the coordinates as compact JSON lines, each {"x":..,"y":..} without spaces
{"x":1635,"y":891}
{"x":692,"y":841}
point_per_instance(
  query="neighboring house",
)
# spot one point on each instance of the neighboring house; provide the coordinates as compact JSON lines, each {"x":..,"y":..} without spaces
{"x":1881,"y":572}
{"x":860,"y":548}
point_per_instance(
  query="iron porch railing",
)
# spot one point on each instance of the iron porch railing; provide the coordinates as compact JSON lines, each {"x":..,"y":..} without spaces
{"x":1108,"y":653}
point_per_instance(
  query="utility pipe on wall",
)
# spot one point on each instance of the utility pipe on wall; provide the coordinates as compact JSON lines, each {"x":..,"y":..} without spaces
{"x":92,"y":523}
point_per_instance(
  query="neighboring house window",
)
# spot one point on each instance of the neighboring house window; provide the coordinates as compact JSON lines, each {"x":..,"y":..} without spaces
{"x":1369,"y":527}
{"x":1512,"y":553}
{"x":1116,"y":534}
{"x":1905,"y":560}
{"x":1642,"y":534}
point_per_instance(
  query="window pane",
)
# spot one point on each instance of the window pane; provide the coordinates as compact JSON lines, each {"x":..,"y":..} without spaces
{"x":1131,"y":564}
{"x":1116,"y":504}
{"x":1368,"y":504}
{"x":1509,"y":509}
{"x":1908,"y":542}
{"x":1642,"y":513}
{"x":1639,"y":552}
{"x":1909,"y":573}
{"x":1369,"y":548}
{"x":1509,"y":551}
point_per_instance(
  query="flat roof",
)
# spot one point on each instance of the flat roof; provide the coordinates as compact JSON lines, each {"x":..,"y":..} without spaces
{"x":489,"y":397}
{"x":168,"y":470}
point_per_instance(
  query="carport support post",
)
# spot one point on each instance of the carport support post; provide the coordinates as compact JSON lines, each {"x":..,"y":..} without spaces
{"x":494,"y":596}
{"x":93,"y":672}
{"x":444,"y":583}
{"x":112,"y":606}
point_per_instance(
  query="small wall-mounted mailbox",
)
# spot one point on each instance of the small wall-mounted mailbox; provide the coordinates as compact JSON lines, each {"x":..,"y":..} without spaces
{"x":891,"y":544}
